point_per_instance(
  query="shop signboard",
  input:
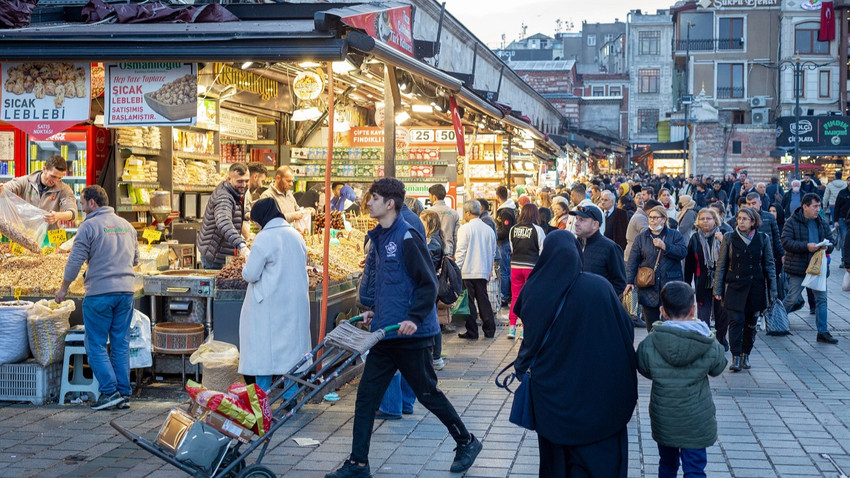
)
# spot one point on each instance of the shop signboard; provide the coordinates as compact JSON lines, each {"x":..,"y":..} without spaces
{"x":366,"y":136}
{"x":151,"y":94}
{"x":420,"y":191}
{"x":237,"y":125}
{"x":43,"y":99}
{"x":815,"y":133}
{"x":392,"y":26}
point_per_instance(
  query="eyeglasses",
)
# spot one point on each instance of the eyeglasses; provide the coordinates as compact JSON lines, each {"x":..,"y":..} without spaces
{"x":655,"y":218}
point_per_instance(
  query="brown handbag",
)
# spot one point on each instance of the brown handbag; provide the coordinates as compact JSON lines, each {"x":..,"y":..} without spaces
{"x":646,"y":275}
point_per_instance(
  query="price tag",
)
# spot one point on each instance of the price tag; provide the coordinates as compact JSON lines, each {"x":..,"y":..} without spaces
{"x":152,"y":235}
{"x":17,"y":249}
{"x":48,"y":250}
{"x":446,"y":136}
{"x":57,"y":236}
{"x":421,"y":136}
{"x":18,"y":293}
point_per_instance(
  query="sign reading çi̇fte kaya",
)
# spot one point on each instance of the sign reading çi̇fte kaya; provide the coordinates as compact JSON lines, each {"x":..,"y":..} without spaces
{"x":45,"y":98}
{"x":815,"y":132}
{"x":151,"y":94}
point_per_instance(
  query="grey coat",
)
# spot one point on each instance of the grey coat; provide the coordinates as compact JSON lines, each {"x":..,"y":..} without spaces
{"x":637,"y":224}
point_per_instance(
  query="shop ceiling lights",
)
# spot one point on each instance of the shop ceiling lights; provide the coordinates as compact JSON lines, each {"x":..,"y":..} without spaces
{"x":247,"y":65}
{"x":342,"y":67}
{"x":309,"y":64}
{"x":306,"y":114}
{"x":422,"y":108}
{"x":402,"y":117}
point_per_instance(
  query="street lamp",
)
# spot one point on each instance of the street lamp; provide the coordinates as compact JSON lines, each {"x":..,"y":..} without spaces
{"x":798,"y":66}
{"x":686,"y":99}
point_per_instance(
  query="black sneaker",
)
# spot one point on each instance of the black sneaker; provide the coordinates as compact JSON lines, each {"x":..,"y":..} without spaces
{"x":105,"y":401}
{"x":465,"y":455}
{"x":125,"y":403}
{"x":350,"y":469}
{"x":827,"y":338}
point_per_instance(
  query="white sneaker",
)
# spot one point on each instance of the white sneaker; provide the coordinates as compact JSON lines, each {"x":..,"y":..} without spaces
{"x":439,"y":364}
{"x":512,"y":332}
{"x":521,"y":332}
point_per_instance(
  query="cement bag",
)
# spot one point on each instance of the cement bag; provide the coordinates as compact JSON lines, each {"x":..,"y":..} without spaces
{"x":221,"y":364}
{"x":47,"y":322}
{"x":13,"y":338}
{"x":140,"y":341}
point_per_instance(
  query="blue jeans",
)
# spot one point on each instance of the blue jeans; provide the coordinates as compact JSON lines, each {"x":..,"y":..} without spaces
{"x":265,"y":382}
{"x":398,"y":398}
{"x":212,"y":266}
{"x":108,"y":316}
{"x":505,"y":269}
{"x":693,"y":462}
{"x":795,"y":289}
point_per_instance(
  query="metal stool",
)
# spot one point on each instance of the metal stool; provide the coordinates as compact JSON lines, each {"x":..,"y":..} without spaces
{"x":74,"y":340}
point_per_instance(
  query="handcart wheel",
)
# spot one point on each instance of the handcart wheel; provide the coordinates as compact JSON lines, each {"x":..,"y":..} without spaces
{"x":256,"y":471}
{"x":231,"y":455}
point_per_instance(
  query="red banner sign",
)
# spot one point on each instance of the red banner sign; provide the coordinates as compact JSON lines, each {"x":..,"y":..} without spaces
{"x":461,"y":144}
{"x":391,"y":26}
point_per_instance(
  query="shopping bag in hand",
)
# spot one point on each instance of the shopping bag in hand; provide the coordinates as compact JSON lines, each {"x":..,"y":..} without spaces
{"x":461,"y":306}
{"x":816,"y":282}
{"x":845,"y":284}
{"x":814,"y":267}
{"x":776,"y":319}
{"x":630,"y":302}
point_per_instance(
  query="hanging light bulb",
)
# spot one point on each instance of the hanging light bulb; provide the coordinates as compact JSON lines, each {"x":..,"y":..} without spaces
{"x":306,"y":114}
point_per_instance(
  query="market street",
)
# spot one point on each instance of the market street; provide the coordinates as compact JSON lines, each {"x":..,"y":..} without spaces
{"x":789,"y":416}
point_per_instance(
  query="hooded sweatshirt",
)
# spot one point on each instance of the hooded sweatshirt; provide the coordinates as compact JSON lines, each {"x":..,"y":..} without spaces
{"x":678,"y":357}
{"x":832,"y":189}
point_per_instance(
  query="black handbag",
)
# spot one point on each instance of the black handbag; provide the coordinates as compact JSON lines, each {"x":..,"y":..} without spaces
{"x":522,"y":411}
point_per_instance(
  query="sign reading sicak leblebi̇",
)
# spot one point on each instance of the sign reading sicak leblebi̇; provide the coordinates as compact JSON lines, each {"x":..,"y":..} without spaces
{"x":45,"y":98}
{"x":151,"y":94}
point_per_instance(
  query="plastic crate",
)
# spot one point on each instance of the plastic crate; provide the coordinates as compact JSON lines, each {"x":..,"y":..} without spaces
{"x":30,"y":382}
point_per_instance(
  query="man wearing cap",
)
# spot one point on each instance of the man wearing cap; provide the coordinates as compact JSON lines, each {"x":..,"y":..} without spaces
{"x":600,"y":255}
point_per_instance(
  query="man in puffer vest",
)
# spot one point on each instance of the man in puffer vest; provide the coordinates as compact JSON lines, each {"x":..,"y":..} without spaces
{"x":405,"y":294}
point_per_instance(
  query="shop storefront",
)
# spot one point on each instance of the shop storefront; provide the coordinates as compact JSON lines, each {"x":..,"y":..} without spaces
{"x":824,"y":143}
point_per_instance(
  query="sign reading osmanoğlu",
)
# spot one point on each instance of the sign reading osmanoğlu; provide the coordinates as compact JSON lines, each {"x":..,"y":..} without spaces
{"x":151,"y":94}
{"x":45,"y":98}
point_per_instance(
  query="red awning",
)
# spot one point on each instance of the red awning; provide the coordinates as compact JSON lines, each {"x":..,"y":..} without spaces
{"x":803,"y":167}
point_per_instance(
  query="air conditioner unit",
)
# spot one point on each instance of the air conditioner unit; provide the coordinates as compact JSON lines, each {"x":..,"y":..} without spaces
{"x":758,"y":101}
{"x":761,"y":115}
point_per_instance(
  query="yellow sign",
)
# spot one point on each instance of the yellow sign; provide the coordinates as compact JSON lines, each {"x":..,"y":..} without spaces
{"x":152,"y":235}
{"x":308,"y":85}
{"x":17,"y":249}
{"x":18,"y":293}
{"x":245,"y":81}
{"x":57,"y":236}
{"x":48,"y":250}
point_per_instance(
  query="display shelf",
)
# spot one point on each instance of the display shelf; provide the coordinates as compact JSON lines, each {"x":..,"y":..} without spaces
{"x":422,"y":162}
{"x":492,"y":180}
{"x":74,"y":178}
{"x":484,"y":161}
{"x":141,"y":151}
{"x":141,"y":184}
{"x":134,"y":208}
{"x":193,"y":188}
{"x":197,"y":156}
{"x":6,"y":176}
{"x":200,"y":126}
{"x":323,"y":162}
{"x":355,"y":179}
{"x":411,"y":179}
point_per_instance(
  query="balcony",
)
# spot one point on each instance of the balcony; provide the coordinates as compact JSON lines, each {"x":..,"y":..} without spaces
{"x":709,"y":45}
{"x":730,"y":93}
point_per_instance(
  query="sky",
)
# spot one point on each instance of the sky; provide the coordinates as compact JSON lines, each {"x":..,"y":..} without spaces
{"x":489,"y":19}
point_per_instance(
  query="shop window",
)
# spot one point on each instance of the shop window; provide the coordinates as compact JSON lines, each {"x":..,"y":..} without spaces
{"x":648,"y":81}
{"x":647,"y":121}
{"x":730,"y":80}
{"x":736,"y":147}
{"x":823,"y":83}
{"x":730,"y":33}
{"x":649,"y":42}
{"x":806,"y":40}
{"x":598,"y":91}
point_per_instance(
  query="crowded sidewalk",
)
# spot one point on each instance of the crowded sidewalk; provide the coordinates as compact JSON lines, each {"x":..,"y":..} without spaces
{"x":787,"y":416}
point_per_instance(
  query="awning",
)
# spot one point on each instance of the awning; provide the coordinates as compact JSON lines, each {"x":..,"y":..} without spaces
{"x":803,"y":167}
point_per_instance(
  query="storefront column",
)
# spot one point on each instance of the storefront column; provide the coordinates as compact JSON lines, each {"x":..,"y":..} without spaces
{"x":391,"y":101}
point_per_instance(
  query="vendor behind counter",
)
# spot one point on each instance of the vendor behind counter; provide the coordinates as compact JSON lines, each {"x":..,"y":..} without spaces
{"x":45,"y":189}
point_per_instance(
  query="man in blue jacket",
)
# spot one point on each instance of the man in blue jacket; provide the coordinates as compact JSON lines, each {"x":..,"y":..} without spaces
{"x":405,"y":293}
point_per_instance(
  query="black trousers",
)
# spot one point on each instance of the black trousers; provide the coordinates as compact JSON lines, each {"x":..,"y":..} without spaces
{"x":650,"y":316}
{"x":479,"y":301}
{"x":605,"y":458}
{"x":721,"y":318}
{"x":412,"y":357}
{"x":742,"y":331}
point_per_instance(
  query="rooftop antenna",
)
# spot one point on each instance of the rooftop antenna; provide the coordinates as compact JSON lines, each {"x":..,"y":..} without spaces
{"x":523,"y":30}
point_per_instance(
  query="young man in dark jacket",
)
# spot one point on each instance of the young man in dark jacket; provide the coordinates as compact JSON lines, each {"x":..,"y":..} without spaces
{"x":405,"y":294}
{"x":600,"y":255}
{"x":506,"y":215}
{"x":803,"y":231}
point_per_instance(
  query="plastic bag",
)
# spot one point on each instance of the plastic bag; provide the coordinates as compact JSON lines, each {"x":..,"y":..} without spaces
{"x":221,"y":364}
{"x":845,"y":284}
{"x":255,"y":397}
{"x":13,"y":338}
{"x":222,"y":403}
{"x":22,"y":222}
{"x":816,"y":282}
{"x":47,"y":322}
{"x":303,"y":224}
{"x":814,"y":267}
{"x":140,"y":341}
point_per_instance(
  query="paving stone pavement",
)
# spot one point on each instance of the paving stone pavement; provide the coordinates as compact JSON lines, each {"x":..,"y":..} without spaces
{"x":788,"y":416}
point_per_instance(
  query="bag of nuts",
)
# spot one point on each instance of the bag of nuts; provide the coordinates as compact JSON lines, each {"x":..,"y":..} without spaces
{"x":47,"y":323}
{"x":21,"y":222}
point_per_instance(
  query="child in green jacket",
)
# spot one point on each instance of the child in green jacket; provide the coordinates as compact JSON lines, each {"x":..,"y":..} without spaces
{"x":678,"y":355}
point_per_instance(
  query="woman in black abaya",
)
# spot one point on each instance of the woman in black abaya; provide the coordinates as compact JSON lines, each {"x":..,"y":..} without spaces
{"x":584,"y":382}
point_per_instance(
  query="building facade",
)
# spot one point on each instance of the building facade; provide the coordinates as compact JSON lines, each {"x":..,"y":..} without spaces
{"x":649,"y":60}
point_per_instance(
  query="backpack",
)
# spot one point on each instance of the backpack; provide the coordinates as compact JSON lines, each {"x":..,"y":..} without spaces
{"x":450,"y":282}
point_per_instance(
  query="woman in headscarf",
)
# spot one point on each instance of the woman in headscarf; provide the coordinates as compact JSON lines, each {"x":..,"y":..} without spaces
{"x":700,"y":267}
{"x":560,"y":213}
{"x":277,"y":281}
{"x":666,"y":200}
{"x":746,"y":279}
{"x":686,"y":217}
{"x":659,"y":248}
{"x":584,"y":382}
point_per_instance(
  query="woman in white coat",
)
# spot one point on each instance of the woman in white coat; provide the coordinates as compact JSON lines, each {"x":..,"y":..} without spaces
{"x":274,"y":326}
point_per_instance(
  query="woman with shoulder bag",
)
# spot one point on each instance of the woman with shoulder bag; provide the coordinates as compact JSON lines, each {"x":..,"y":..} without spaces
{"x":655,"y":259}
{"x":526,"y":245}
{"x":701,"y":267}
{"x":434,"y":240}
{"x":745,"y":280}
